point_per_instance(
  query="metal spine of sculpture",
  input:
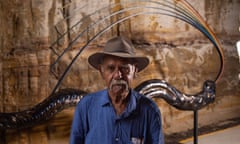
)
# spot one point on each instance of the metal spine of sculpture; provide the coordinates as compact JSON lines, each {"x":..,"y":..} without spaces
{"x":60,"y":99}
{"x":70,"y":97}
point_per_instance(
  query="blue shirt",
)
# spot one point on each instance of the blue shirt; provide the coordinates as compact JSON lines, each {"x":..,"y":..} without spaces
{"x":95,"y":121}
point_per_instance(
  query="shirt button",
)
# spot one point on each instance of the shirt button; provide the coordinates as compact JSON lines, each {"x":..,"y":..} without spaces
{"x":116,"y":139}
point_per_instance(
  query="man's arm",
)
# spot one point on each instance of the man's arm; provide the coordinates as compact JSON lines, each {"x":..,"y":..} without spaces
{"x":77,"y":131}
{"x":156,"y":131}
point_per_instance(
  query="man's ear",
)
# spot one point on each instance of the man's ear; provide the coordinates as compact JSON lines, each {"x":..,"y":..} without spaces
{"x":100,"y":68}
{"x":136,"y":72}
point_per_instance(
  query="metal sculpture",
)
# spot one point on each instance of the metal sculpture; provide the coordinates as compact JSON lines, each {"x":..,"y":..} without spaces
{"x":60,"y":99}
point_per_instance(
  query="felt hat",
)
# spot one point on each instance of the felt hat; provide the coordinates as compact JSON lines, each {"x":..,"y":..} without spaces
{"x":122,"y":47}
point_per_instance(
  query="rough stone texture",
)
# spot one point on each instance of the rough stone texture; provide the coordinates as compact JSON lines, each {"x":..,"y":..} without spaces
{"x":30,"y":34}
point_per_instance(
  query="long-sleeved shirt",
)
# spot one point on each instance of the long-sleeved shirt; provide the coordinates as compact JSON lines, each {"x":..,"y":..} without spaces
{"x":95,"y":121}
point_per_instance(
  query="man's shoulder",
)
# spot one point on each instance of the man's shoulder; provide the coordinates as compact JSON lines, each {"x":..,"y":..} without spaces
{"x":97,"y":93}
{"x":93,"y":96}
{"x":145,"y":102}
{"x":141,"y":97}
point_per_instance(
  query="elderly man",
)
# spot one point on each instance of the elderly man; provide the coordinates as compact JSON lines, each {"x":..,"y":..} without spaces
{"x":117,"y":114}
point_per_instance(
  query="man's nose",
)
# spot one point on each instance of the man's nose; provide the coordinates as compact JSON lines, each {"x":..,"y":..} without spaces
{"x":117,"y":73}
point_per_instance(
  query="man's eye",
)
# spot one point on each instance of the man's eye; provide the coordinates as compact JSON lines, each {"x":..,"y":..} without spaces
{"x":125,"y":69}
{"x":111,"y":68}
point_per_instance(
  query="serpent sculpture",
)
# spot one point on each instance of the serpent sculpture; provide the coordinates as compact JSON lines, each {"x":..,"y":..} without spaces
{"x":70,"y":97}
{"x":155,"y":88}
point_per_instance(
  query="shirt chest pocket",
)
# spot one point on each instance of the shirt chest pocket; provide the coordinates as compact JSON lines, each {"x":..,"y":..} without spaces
{"x":137,"y":134}
{"x":137,"y":130}
{"x":136,"y":140}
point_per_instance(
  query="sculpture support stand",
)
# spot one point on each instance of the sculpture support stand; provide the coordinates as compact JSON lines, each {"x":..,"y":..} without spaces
{"x":195,"y":124}
{"x":3,"y":136}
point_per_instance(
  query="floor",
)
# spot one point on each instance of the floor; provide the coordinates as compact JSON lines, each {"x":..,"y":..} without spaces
{"x":226,"y":136}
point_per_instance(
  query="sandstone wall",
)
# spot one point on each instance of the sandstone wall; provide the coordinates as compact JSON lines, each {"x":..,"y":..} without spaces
{"x":178,"y":52}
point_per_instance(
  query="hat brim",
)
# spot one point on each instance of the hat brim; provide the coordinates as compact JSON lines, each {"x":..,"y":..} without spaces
{"x":95,"y":59}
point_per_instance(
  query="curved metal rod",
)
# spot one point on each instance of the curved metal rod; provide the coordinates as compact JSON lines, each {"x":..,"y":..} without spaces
{"x":99,"y":21}
{"x":215,"y":41}
{"x":183,"y":15}
{"x":73,"y":26}
{"x":119,"y":21}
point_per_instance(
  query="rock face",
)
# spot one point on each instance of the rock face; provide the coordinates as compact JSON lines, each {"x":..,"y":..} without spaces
{"x":32,"y":32}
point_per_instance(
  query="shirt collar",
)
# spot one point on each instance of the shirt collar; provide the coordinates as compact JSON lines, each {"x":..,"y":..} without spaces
{"x":104,"y":98}
{"x":132,"y":104}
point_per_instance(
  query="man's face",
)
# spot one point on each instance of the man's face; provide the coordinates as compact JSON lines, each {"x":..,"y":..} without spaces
{"x":118,"y":74}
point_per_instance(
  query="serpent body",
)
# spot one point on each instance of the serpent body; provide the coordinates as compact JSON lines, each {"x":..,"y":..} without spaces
{"x":156,"y":88}
{"x":42,"y":111}
{"x":65,"y":98}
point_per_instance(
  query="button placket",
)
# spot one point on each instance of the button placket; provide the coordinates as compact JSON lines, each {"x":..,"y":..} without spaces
{"x":118,"y":132}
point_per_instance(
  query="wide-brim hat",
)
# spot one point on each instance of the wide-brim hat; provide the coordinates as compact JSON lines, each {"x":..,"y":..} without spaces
{"x":121,"y":47}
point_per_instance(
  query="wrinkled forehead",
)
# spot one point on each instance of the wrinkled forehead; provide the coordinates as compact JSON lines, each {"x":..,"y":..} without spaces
{"x":115,"y":59}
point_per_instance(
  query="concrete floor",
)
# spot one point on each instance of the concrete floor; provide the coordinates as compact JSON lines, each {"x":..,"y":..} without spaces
{"x":226,"y":136}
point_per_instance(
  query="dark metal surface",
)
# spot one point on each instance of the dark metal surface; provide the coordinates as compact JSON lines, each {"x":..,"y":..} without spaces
{"x":156,"y":88}
{"x":42,"y":111}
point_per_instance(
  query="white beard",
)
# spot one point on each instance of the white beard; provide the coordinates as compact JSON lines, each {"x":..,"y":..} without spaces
{"x":121,"y":83}
{"x":119,"y":88}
